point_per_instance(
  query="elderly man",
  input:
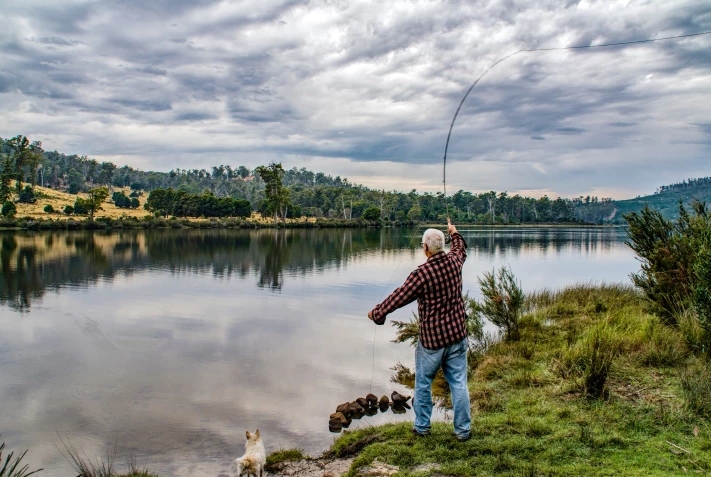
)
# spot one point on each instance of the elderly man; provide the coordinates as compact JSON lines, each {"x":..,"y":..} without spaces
{"x":437,"y":287}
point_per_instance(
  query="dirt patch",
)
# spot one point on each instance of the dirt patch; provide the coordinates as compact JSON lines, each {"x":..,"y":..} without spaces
{"x":322,"y":467}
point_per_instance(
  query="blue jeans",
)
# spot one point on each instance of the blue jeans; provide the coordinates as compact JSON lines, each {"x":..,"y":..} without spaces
{"x":453,"y":360}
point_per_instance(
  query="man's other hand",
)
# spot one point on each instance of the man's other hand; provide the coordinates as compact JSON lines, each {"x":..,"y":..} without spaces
{"x":451,"y":229}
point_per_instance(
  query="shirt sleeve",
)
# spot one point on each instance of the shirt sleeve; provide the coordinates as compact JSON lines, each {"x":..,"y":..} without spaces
{"x":407,"y":293}
{"x":459,"y":247}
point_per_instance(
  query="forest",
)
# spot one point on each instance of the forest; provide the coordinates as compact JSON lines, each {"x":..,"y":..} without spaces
{"x":286,"y":193}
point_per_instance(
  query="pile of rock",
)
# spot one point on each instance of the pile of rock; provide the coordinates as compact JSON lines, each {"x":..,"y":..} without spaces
{"x":367,"y":406}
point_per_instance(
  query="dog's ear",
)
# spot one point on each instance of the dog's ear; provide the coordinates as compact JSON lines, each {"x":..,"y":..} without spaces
{"x":257,"y":433}
{"x":249,"y":436}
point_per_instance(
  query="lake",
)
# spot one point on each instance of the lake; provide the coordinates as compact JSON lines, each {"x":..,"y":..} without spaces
{"x":170,"y":344}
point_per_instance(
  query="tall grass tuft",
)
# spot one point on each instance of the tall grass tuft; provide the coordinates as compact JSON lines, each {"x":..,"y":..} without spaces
{"x":696,"y":385}
{"x":503,"y":301}
{"x":11,"y":466}
{"x":85,"y":467}
{"x":591,"y":358}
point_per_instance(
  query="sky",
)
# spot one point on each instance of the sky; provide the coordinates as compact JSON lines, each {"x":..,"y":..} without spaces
{"x":367,"y":90}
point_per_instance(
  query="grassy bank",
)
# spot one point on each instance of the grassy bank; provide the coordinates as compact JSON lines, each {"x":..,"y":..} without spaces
{"x":533,"y":414}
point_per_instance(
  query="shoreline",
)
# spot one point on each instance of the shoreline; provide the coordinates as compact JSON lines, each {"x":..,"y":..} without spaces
{"x":149,"y":222}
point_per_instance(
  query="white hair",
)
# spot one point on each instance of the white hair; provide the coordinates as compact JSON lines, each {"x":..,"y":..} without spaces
{"x":434,"y":239}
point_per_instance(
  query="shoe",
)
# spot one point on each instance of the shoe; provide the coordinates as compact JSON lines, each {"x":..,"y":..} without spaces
{"x":420,"y":434}
{"x":463,"y":439}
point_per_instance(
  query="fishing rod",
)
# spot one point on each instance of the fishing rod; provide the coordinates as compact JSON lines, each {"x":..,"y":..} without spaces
{"x":528,"y":50}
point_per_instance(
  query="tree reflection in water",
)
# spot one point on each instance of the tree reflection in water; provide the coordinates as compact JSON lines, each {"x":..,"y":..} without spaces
{"x":33,"y":263}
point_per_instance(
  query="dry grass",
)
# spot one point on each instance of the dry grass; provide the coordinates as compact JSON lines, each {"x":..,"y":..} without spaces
{"x":58,"y":200}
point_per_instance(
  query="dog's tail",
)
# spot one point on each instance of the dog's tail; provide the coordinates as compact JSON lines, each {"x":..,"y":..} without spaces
{"x":250,"y":464}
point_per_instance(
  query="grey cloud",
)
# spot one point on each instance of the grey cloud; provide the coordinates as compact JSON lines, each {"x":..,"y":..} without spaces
{"x":364,"y":82}
{"x":194,"y":116}
{"x":570,"y":130}
{"x":143,"y":105}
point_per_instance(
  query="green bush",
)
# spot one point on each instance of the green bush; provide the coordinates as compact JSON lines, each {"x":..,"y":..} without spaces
{"x":9,"y":209}
{"x":73,"y":188}
{"x":27,"y":196}
{"x":49,"y":209}
{"x":673,"y":256}
{"x":371,"y":213}
{"x":503,"y":301}
{"x":81,"y":207}
{"x":68,"y":209}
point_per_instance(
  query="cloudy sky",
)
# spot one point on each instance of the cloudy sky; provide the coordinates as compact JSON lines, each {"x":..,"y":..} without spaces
{"x":367,"y":90}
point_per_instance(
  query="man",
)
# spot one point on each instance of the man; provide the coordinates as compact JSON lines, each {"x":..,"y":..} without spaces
{"x":437,"y":287}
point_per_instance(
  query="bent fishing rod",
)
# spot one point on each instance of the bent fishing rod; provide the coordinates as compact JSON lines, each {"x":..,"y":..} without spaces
{"x":528,"y":50}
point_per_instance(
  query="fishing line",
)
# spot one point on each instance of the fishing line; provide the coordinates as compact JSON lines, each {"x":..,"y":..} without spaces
{"x":451,"y":126}
{"x":527,"y":50}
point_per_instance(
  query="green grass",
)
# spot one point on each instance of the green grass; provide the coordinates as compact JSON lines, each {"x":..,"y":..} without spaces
{"x":276,"y":459}
{"x":532,"y":418}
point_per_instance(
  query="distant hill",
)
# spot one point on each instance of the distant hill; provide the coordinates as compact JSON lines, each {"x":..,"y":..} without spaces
{"x":666,"y":200}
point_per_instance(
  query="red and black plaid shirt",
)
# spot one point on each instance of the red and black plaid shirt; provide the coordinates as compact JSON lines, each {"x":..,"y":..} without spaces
{"x":437,"y":287}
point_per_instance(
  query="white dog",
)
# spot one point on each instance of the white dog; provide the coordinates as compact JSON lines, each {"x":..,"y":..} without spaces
{"x":252,"y":463}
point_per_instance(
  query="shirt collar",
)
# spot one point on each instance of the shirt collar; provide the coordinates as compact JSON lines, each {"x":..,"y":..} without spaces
{"x":437,"y":256}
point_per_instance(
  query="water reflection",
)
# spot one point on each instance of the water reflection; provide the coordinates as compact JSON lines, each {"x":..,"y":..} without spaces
{"x":32,"y":263}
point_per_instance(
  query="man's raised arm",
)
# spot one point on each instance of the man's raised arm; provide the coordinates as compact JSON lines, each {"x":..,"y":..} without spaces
{"x":459,"y":246}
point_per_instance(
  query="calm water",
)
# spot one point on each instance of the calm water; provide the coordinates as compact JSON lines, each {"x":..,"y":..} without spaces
{"x":173,"y":343}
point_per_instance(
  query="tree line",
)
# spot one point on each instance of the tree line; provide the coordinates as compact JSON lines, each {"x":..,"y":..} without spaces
{"x":284,"y":193}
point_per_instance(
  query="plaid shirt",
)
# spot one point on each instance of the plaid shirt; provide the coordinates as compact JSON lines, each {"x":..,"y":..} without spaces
{"x":437,"y":287}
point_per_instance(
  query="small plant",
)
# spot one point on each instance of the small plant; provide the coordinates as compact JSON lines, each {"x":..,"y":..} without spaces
{"x":591,"y":358}
{"x":696,"y":385}
{"x":503,"y":301}
{"x":11,"y":466}
{"x":68,"y":209}
{"x":9,"y":209}
{"x":49,"y":209}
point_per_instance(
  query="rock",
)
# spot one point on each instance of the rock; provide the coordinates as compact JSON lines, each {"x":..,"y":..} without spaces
{"x":362,"y":403}
{"x":340,"y":416}
{"x":344,"y":409}
{"x":399,"y":398}
{"x":335,"y":425}
{"x":372,"y":400}
{"x":356,"y":408}
{"x":399,"y":409}
{"x":384,"y":404}
{"x":371,"y":411}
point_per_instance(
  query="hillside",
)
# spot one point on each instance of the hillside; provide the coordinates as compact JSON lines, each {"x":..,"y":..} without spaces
{"x":666,"y":201}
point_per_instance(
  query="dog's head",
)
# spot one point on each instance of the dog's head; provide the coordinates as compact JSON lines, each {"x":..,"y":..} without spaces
{"x":253,"y":438}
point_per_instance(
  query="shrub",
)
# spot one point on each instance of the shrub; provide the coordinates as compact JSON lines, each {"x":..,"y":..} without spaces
{"x":49,"y":209}
{"x":11,"y":467}
{"x":73,"y":188}
{"x":68,"y":209}
{"x":134,"y":203}
{"x":503,"y":301}
{"x":672,"y":256}
{"x":696,"y":385}
{"x":9,"y":209}
{"x":27,"y":196}
{"x":371,"y":213}
{"x":591,"y":358}
{"x":81,"y":207}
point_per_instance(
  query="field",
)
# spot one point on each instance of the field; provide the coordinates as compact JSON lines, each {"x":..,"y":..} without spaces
{"x":58,"y":200}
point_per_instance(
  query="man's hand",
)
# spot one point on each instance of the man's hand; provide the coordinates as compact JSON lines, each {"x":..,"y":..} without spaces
{"x":451,"y":229}
{"x":370,"y":315}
